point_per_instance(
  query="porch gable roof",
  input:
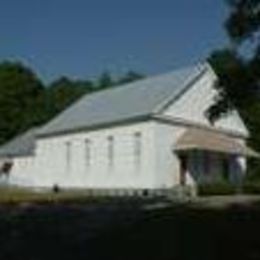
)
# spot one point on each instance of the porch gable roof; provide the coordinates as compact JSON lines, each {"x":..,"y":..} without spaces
{"x":207,"y":140}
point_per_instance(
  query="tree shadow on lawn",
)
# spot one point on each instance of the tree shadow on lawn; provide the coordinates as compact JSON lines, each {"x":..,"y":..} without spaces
{"x":185,"y":233}
{"x":119,"y":232}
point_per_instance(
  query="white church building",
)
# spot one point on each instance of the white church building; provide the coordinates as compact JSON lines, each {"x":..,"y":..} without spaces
{"x":152,"y":134}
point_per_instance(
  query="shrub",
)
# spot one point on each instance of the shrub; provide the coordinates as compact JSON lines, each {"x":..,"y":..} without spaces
{"x":247,"y":188}
{"x":220,"y":188}
{"x":251,"y":188}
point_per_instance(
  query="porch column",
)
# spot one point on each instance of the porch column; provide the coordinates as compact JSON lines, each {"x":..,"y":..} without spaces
{"x":237,"y":168}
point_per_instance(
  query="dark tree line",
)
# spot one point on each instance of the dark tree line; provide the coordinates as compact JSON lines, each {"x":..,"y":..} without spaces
{"x":25,"y":101}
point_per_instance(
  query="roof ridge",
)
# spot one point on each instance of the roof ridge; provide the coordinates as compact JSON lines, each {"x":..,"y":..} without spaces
{"x":145,"y":79}
{"x":141,"y":97}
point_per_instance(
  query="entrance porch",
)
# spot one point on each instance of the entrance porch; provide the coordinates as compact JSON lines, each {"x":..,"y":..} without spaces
{"x":207,"y":156}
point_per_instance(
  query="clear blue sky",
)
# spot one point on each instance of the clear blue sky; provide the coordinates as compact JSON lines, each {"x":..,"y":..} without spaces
{"x":82,"y":38}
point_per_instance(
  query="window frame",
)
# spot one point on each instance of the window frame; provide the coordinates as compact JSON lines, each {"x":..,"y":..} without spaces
{"x":110,"y":150}
{"x":68,"y":145}
{"x":87,"y":152}
{"x":137,"y":149}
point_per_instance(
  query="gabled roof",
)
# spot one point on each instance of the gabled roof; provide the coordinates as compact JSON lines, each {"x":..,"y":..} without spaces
{"x":137,"y":99}
{"x":22,"y":145}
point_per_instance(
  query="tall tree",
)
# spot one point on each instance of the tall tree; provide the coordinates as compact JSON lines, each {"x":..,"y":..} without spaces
{"x":26,"y":102}
{"x":129,"y":77}
{"x":239,"y":77}
{"x":105,"y":81}
{"x":243,"y":25}
{"x":63,"y":92}
{"x":21,"y":99}
{"x":236,"y":85}
{"x":243,"y":22}
{"x":239,"y":72}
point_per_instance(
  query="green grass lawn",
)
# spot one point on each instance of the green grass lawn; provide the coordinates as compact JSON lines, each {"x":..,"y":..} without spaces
{"x":14,"y":195}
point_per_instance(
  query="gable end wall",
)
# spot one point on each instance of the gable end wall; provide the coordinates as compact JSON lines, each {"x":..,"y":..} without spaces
{"x":193,"y":104}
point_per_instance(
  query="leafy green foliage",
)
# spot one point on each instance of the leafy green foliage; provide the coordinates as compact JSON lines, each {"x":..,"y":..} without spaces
{"x":239,"y":75}
{"x":244,"y":19}
{"x":63,"y":92}
{"x":237,"y":87}
{"x":130,"y":77}
{"x":105,"y":81}
{"x":26,"y":102}
{"x":243,"y":25}
{"x":216,"y":189}
{"x":21,"y":99}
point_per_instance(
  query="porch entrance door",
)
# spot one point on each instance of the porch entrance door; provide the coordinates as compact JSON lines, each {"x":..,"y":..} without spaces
{"x":183,"y":169}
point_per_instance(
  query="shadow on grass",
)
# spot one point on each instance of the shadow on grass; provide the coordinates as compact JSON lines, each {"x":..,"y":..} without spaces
{"x":124,"y":231}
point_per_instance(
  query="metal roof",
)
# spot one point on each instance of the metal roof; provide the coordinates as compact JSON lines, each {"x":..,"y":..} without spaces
{"x":128,"y":101}
{"x":22,"y":145}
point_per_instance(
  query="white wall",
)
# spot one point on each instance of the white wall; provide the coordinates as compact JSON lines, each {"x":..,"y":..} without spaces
{"x":159,"y":167}
{"x":167,"y":162}
{"x":192,"y":107}
{"x":22,"y":172}
{"x":51,"y":165}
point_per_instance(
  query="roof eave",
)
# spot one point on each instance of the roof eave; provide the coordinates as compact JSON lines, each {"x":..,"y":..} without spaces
{"x":126,"y":121}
